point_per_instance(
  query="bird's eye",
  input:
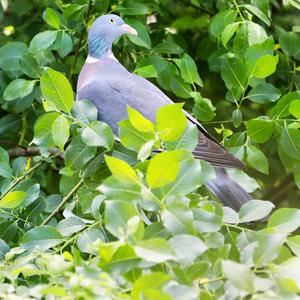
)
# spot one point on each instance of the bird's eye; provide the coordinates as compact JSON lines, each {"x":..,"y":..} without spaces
{"x":111,"y":21}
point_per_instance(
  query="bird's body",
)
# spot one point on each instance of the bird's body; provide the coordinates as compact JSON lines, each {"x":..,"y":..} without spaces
{"x":112,"y":88}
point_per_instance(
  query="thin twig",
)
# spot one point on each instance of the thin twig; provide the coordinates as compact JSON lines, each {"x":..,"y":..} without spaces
{"x":64,"y":201}
{"x":31,"y":151}
{"x":80,"y":41}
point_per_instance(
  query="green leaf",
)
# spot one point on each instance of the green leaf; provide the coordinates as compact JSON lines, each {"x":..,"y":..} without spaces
{"x":42,"y":238}
{"x":132,"y":8}
{"x":294,"y":109}
{"x":290,"y":141}
{"x":257,"y":159}
{"x":239,"y":275}
{"x":237,"y":118}
{"x":42,"y":40}
{"x":10,"y":55}
{"x":5,"y":170}
{"x":142,"y":38}
{"x":260,"y":130}
{"x":145,"y":151}
{"x":290,"y":44}
{"x":155,"y":250}
{"x":256,"y":33}
{"x":98,"y":134}
{"x":282,"y":106}
{"x":221,"y":20}
{"x":203,"y":109}
{"x":187,"y":247}
{"x":146,"y":71}
{"x":265,"y":66}
{"x":171,"y":122}
{"x":180,"y":88}
{"x":13,"y":199}
{"x":152,"y":281}
{"x":294,"y":244}
{"x":285,"y":220}
{"x":118,"y":215}
{"x":268,"y":248}
{"x":188,"y":140}
{"x":60,"y":131}
{"x":84,"y":111}
{"x":138,"y":121}
{"x":121,"y":169}
{"x":63,"y":43}
{"x":258,"y":13}
{"x":57,"y":89}
{"x":18,"y":88}
{"x":69,"y":226}
{"x":78,"y":154}
{"x":264,"y":93}
{"x":51,"y":17}
{"x":132,"y":138}
{"x":234,"y":73}
{"x":163,"y":168}
{"x":228,"y":32}
{"x":43,"y":130}
{"x":30,"y":67}
{"x":206,"y":220}
{"x":255,"y":210}
{"x":178,"y":219}
{"x":188,"y":70}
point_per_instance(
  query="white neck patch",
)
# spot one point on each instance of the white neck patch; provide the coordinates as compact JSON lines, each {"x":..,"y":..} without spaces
{"x":92,"y":60}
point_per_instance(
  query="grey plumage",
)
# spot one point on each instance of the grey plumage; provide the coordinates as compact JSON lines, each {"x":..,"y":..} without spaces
{"x":111,"y":87}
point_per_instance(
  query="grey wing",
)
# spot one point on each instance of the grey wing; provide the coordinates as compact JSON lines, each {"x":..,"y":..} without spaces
{"x":111,"y":95}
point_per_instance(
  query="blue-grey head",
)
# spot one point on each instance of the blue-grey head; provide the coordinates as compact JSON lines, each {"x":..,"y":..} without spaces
{"x":104,"y":31}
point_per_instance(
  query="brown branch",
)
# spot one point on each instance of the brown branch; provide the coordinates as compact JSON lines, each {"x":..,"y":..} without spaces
{"x":80,"y":41}
{"x":31,"y":151}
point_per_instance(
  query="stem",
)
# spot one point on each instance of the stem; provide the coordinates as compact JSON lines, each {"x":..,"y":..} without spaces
{"x":238,"y":9}
{"x":80,"y":41}
{"x":19,"y":179}
{"x":64,"y":201}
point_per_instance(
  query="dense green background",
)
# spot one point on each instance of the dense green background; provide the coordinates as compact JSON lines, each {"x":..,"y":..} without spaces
{"x":133,"y":234}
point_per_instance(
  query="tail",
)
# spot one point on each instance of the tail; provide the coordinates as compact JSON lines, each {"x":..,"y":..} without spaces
{"x":228,"y":190}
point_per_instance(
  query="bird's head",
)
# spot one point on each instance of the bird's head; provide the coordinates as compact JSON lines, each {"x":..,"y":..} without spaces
{"x":104,"y":31}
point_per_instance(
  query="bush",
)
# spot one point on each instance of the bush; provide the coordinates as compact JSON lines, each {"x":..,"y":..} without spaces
{"x":83,"y":217}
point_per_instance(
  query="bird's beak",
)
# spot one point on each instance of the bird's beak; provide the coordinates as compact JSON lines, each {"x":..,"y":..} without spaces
{"x":128,"y":29}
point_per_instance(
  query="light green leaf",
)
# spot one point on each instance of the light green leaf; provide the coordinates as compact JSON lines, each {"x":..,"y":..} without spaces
{"x":264,"y":93}
{"x":285,"y":220}
{"x":18,"y":88}
{"x":294,"y":244}
{"x":68,"y":226}
{"x":57,"y":89}
{"x":187,"y":247}
{"x":163,"y":168}
{"x":221,"y":20}
{"x":294,"y":109}
{"x":51,"y":17}
{"x":265,"y":66}
{"x":239,"y":275}
{"x":132,"y":8}
{"x":30,"y":67}
{"x":153,"y":281}
{"x":138,"y":121}
{"x":171,"y":122}
{"x":60,"y":131}
{"x":258,"y":13}
{"x":260,"y":130}
{"x":10,"y":55}
{"x":63,"y":44}
{"x":43,"y":130}
{"x":78,"y":154}
{"x":228,"y":32}
{"x":98,"y":134}
{"x":121,"y":169}
{"x":255,"y":210}
{"x":84,"y":111}
{"x":188,"y":70}
{"x":155,"y":250}
{"x":41,"y":237}
{"x":282,"y":106}
{"x":13,"y":199}
{"x":290,"y":141}
{"x":257,"y":159}
{"x":146,"y":71}
{"x":42,"y":40}
{"x":142,"y":38}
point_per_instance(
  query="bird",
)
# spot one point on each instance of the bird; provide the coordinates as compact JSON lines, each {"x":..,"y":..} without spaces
{"x":112,"y":88}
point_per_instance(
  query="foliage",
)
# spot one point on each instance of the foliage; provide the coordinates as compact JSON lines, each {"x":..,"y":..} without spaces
{"x":83,"y":217}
